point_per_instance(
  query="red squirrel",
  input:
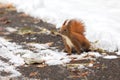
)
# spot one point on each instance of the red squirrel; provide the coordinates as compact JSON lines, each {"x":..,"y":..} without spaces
{"x":72,"y":32}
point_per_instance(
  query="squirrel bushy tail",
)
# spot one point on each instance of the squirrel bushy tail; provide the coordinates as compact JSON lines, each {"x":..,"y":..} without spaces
{"x":75,"y":26}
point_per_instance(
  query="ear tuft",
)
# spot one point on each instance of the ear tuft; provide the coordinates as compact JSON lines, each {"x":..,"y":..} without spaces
{"x":67,"y":22}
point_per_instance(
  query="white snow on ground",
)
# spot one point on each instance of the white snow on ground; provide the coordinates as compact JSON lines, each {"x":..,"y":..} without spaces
{"x":7,"y":50}
{"x":101,"y":17}
{"x":9,"y":29}
{"x":9,"y":69}
{"x":110,"y":57}
{"x":17,"y":56}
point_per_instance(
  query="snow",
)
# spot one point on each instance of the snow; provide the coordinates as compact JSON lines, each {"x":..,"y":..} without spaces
{"x":118,"y":53}
{"x":8,"y":68}
{"x":110,"y":57}
{"x":46,"y":55}
{"x":9,"y":29}
{"x":3,"y":1}
{"x":88,"y":55}
{"x":7,"y":49}
{"x":90,"y":65}
{"x":81,"y":66}
{"x":17,"y":55}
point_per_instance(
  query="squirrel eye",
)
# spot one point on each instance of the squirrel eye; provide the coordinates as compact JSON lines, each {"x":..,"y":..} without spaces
{"x":65,"y":30}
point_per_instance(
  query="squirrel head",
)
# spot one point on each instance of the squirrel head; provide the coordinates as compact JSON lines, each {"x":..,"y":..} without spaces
{"x":72,"y":25}
{"x":65,"y":29}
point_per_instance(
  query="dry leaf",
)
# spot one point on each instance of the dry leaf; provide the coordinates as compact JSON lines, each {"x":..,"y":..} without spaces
{"x":33,"y":74}
{"x":9,"y":6}
{"x":41,"y":65}
{"x":1,"y":12}
{"x":72,"y":76}
{"x":92,"y":62}
{"x":25,"y":30}
{"x":23,"y":15}
{"x":84,"y":74}
{"x":3,"y":19}
{"x":96,"y":41}
{"x":6,"y":6}
{"x":1,"y":29}
{"x":2,"y":5}
{"x":6,"y":22}
{"x":96,"y":66}
{"x":49,"y":43}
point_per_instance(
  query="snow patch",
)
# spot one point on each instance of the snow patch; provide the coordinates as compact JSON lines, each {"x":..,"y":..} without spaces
{"x":50,"y":57}
{"x":118,"y":53}
{"x":9,"y":69}
{"x":110,"y":57}
{"x":10,"y":29}
{"x":7,"y":50}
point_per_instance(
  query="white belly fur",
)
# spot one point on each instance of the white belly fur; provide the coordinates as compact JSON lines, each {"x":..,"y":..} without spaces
{"x":68,"y":41}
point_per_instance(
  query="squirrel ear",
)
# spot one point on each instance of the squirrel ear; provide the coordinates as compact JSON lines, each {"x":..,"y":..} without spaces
{"x":65,"y":22}
{"x":69,"y":24}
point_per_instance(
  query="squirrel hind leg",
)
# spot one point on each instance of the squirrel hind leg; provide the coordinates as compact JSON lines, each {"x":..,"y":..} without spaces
{"x":86,"y":47}
{"x":77,"y":47}
{"x":87,"y":50}
{"x":78,"y":50}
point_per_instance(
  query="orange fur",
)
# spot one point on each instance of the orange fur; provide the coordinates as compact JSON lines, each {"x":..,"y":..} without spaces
{"x":72,"y":32}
